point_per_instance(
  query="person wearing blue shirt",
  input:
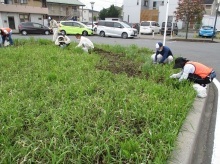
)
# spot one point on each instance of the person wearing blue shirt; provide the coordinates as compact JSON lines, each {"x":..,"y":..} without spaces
{"x":163,"y":54}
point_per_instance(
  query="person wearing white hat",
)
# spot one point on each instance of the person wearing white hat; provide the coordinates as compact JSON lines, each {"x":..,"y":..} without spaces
{"x":54,"y":26}
{"x":62,"y":41}
{"x":163,"y":54}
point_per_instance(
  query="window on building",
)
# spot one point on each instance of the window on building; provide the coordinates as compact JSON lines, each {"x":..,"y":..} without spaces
{"x":16,"y":1}
{"x":170,"y":19}
{"x":145,"y":3}
{"x":154,"y":5}
{"x":74,"y":8}
{"x":137,"y":2}
{"x":23,"y":1}
{"x":24,"y":17}
{"x":208,"y":6}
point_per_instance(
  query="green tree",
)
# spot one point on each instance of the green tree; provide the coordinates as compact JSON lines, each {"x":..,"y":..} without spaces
{"x":102,"y":14}
{"x":94,"y":18}
{"x":189,"y":11}
{"x":112,"y":12}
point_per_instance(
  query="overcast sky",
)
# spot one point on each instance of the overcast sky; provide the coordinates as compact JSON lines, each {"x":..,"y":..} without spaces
{"x":100,"y":4}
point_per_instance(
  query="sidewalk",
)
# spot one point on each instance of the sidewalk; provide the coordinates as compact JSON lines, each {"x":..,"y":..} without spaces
{"x":180,"y":37}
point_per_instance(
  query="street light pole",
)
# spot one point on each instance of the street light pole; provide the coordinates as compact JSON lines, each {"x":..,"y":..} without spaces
{"x":92,"y":4}
{"x":215,"y":20}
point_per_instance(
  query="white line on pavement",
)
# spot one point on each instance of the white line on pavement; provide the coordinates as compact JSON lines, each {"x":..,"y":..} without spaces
{"x":216,"y":146}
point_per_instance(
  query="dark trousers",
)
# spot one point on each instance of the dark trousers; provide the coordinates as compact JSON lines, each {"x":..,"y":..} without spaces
{"x":9,"y":37}
{"x":198,"y":79}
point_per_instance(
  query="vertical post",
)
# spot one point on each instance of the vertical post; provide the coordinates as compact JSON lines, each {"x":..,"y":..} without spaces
{"x":92,"y":4}
{"x":215,"y":20}
{"x":165,"y":28}
{"x":82,"y":15}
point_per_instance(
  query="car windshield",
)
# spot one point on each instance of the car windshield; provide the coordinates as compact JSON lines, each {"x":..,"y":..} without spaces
{"x":169,"y":24}
{"x":125,"y":25}
{"x":207,"y":27}
{"x":82,"y":24}
{"x":145,"y":23}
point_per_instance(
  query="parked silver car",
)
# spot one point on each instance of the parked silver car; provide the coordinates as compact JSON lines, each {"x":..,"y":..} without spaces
{"x":115,"y":29}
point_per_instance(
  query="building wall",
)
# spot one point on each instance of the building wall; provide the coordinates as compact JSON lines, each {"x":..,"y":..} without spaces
{"x":86,"y":15}
{"x":149,"y":15}
{"x":173,"y":4}
{"x":63,"y":12}
{"x":132,"y":11}
{"x":4,"y":19}
{"x":37,"y":18}
{"x":34,"y":3}
{"x":135,"y":10}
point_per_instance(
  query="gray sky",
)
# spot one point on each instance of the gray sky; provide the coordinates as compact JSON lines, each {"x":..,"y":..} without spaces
{"x":100,"y":4}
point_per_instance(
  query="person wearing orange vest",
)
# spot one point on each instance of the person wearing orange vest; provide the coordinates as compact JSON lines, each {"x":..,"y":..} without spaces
{"x":193,"y":71}
{"x":6,"y":34}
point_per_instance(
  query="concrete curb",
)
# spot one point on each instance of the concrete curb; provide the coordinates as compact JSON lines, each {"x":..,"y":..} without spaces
{"x":187,"y":137}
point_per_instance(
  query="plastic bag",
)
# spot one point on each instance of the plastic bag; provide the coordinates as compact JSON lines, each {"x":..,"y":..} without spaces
{"x":200,"y":90}
{"x":6,"y":43}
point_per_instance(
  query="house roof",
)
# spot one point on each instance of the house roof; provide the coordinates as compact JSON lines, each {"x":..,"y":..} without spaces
{"x":70,"y":2}
{"x":208,"y":2}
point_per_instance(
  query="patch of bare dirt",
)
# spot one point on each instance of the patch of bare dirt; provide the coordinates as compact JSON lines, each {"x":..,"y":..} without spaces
{"x":117,"y":63}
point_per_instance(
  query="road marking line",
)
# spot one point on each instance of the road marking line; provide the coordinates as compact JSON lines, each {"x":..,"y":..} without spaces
{"x":216,"y":146}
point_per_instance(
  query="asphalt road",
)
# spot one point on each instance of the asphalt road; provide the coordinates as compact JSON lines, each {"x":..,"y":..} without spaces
{"x":206,"y":53}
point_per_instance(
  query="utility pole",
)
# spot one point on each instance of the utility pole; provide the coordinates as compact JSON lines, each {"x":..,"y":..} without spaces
{"x":216,"y":14}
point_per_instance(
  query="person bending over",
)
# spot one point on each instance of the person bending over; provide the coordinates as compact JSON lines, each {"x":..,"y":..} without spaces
{"x":6,"y":35}
{"x":62,"y":41}
{"x":163,"y":54}
{"x":193,"y":71}
{"x":84,"y":42}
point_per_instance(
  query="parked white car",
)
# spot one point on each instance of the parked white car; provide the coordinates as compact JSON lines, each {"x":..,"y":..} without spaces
{"x":115,"y":29}
{"x":89,"y":25}
{"x":148,"y":27}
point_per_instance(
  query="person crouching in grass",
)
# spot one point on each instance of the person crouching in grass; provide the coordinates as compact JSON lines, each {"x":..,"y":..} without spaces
{"x":85,"y":43}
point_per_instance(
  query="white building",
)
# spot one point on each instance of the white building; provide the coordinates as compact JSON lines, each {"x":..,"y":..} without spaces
{"x":132,"y":8}
{"x":173,"y":4}
{"x":86,"y":15}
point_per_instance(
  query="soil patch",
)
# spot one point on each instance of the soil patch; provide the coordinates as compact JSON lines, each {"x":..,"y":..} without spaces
{"x":117,"y":63}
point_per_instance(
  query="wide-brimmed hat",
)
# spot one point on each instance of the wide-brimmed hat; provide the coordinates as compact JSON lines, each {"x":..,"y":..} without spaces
{"x":179,"y":62}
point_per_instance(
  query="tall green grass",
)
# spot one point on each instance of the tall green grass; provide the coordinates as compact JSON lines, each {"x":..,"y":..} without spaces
{"x":56,"y":107}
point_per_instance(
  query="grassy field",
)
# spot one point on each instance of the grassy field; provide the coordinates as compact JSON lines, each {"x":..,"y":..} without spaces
{"x":66,"y":106}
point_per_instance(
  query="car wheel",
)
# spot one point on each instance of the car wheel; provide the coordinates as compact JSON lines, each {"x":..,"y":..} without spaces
{"x":24,"y":32}
{"x":63,"y":32}
{"x":46,"y":32}
{"x":124,"y":35}
{"x":84,"y":33}
{"x":102,"y":34}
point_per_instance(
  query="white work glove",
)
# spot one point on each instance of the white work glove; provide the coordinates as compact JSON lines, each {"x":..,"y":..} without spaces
{"x":174,"y":76}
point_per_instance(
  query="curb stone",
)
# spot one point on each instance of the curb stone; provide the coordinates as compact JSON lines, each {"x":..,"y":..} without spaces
{"x":187,"y":137}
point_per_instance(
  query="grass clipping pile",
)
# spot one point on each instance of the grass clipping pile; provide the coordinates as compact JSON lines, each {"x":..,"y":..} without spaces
{"x":117,"y":63}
